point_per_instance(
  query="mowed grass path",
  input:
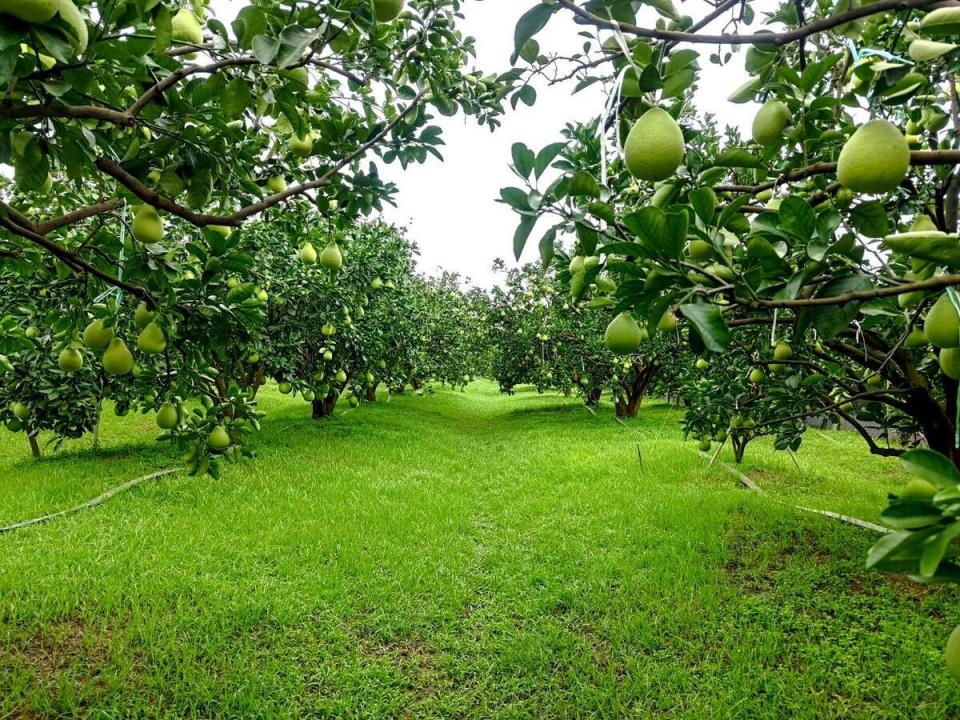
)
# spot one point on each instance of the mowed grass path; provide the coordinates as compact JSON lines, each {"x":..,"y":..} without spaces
{"x":460,"y":555}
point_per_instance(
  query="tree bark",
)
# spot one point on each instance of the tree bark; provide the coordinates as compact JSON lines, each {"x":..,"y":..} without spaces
{"x":323,"y":407}
{"x":628,"y":405}
{"x":372,"y":392}
{"x":34,"y":447}
{"x":593,"y":397}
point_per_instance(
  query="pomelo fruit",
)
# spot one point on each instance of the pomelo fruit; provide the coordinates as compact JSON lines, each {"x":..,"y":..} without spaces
{"x":623,"y":334}
{"x":117,"y":359}
{"x":875,"y":159}
{"x":942,"y":325}
{"x":654,"y":148}
{"x":769,"y":122}
{"x":70,"y":360}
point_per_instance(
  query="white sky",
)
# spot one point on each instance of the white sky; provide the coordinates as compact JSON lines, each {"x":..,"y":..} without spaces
{"x":450,"y":208}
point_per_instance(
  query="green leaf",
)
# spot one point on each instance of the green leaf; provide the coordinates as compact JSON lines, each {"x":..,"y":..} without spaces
{"x":523,"y":159}
{"x":797,"y":217}
{"x":934,"y":551}
{"x":522,"y":234}
{"x":709,"y":323}
{"x":931,"y":466}
{"x":515,"y":198}
{"x":265,"y":48}
{"x":676,"y":83}
{"x":584,"y":184}
{"x":546,"y":247}
{"x":704,"y":202}
{"x":870,"y":219}
{"x":250,"y":22}
{"x":894,"y":544}
{"x":293,"y":41}
{"x":532,"y":22}
{"x":547,"y":156}
{"x":648,"y":224}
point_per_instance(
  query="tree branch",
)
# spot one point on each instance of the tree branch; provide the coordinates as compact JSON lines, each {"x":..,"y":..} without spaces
{"x":934,"y":283}
{"x":152,"y":197}
{"x":75,"y":262}
{"x":782,"y":38}
{"x":918,"y":158}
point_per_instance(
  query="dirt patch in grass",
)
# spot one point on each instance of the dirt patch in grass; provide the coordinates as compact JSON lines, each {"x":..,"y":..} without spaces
{"x":65,"y":651}
{"x":758,"y":558}
{"x":412,"y":657}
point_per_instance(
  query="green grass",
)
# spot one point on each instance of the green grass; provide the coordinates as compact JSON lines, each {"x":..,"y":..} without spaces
{"x":461,"y":555}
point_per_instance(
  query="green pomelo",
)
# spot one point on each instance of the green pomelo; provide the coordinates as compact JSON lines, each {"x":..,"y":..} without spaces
{"x":951,"y":654}
{"x":331,"y":258}
{"x":308,"y":254}
{"x":147,"y":225}
{"x":623,"y":334}
{"x":918,"y":489}
{"x":654,"y":147}
{"x":875,"y":159}
{"x":218,"y":439}
{"x":31,"y":11}
{"x":387,"y":10}
{"x":117,"y":359}
{"x":70,"y":360}
{"x":950,"y":362}
{"x":769,"y":122}
{"x":167,"y":416}
{"x":942,"y":325}
{"x":186,"y":27}
{"x":96,"y":336}
{"x":151,"y":340}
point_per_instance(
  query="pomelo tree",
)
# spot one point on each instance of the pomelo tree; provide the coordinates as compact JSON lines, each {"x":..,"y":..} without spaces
{"x":141,"y":136}
{"x":543,"y":337}
{"x":334,"y":293}
{"x":455,"y":337}
{"x":832,"y":226}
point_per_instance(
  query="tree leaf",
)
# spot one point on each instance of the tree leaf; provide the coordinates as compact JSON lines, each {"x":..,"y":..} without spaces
{"x":870,"y":219}
{"x":931,"y":466}
{"x":530,"y":23}
{"x":523,"y":159}
{"x":522,"y":234}
{"x":709,"y":323}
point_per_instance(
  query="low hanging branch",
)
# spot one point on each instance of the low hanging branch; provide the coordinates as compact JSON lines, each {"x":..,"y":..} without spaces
{"x":918,"y":158}
{"x":783,"y":38}
{"x":935,"y":283}
{"x":74,"y":261}
{"x":152,"y":197}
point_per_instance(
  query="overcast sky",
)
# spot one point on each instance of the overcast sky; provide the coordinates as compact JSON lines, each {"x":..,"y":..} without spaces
{"x":450,"y":208}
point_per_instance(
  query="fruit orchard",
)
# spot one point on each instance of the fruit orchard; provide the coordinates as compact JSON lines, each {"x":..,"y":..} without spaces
{"x":192,"y":237}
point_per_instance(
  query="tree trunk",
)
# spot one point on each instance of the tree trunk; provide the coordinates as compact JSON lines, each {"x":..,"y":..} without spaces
{"x":323,"y":407}
{"x":96,"y":427}
{"x":629,"y":404}
{"x":34,"y":446}
{"x":739,"y":443}
{"x":372,"y":392}
{"x":935,"y":421}
{"x":415,"y":383}
{"x":593,"y":397}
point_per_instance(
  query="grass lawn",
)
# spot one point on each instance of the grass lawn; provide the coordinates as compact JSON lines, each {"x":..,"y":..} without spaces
{"x":461,"y":555}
